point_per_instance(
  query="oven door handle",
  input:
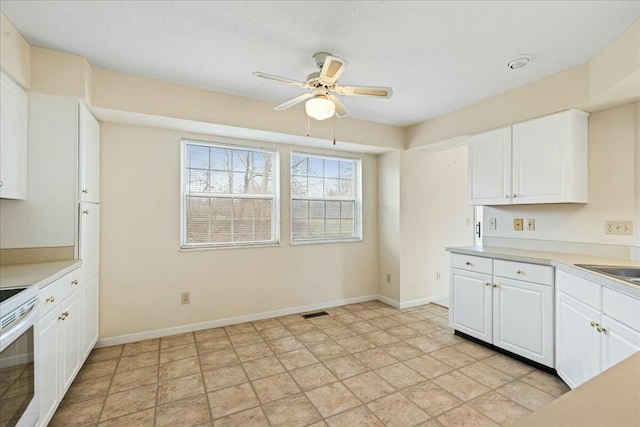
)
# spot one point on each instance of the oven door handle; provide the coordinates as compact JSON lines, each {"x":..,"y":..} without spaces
{"x":13,"y":330}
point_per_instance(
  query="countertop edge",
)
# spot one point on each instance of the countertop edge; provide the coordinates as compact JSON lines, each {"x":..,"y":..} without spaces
{"x":547,"y":258}
{"x":40,"y":274}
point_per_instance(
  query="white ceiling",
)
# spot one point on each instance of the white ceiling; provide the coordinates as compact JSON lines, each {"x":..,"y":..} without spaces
{"x":438,"y":56}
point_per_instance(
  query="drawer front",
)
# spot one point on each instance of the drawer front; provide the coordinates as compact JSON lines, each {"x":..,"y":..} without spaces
{"x":50,"y":296}
{"x":70,"y":282}
{"x":622,"y":308}
{"x":542,"y":274}
{"x":583,"y":290}
{"x":472,"y":263}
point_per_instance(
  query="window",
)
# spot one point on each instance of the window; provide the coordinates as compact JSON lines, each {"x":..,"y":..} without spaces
{"x":229,"y":195}
{"x":325,"y":198}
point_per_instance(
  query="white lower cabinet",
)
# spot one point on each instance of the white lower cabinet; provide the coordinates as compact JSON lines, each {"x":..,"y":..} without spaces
{"x":90,"y":316}
{"x":61,"y":341}
{"x":592,"y":333}
{"x":503,"y":310}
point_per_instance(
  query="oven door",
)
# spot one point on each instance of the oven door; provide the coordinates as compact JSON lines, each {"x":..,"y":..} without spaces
{"x":18,"y":355}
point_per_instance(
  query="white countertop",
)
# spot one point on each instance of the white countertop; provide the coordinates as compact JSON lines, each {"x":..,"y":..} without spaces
{"x":563,"y":261}
{"x":41,"y":273}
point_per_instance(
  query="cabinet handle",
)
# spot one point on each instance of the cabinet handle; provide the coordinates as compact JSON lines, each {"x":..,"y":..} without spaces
{"x":514,"y":195}
{"x":85,"y":212}
{"x":468,"y":263}
{"x":85,"y":191}
{"x":593,"y":324}
{"x":518,"y":272}
{"x":487,"y":283}
{"x":51,"y":299}
{"x":495,"y":285}
{"x":74,"y":282}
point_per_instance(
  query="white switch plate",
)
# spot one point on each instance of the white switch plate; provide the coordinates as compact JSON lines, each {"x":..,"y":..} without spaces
{"x":530,"y":224}
{"x":492,"y":223}
{"x":621,"y":228}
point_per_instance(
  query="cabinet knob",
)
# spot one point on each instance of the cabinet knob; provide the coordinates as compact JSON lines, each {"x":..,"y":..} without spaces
{"x":0,"y":183}
{"x":468,"y":263}
{"x":51,"y":299}
{"x":74,"y":282}
{"x":514,"y":195}
{"x":518,"y":271}
{"x":506,"y":196}
{"x":487,"y":283}
{"x":64,"y":315}
{"x":593,"y":324}
{"x":85,"y":212}
{"x":495,"y":285}
{"x":600,"y":329}
{"x":85,"y":191}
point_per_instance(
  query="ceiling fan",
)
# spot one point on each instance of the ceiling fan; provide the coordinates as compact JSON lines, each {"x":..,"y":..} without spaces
{"x":321,"y":102}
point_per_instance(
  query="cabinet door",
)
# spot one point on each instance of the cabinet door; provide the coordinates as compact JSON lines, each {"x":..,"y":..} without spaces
{"x":90,"y":310}
{"x":541,"y":160}
{"x":618,"y":342}
{"x":578,"y":344}
{"x":90,"y":240}
{"x":13,"y":139}
{"x":490,"y":168}
{"x":523,"y":319}
{"x":89,"y":156}
{"x":49,"y":367}
{"x":70,"y":339}
{"x":471,"y":303}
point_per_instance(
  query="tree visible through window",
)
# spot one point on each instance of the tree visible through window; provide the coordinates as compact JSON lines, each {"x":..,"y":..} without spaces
{"x":325,"y":198}
{"x":229,"y":195}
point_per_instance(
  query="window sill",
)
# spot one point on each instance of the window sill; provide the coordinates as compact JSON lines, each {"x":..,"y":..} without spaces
{"x":216,"y":248}
{"x":323,"y":241}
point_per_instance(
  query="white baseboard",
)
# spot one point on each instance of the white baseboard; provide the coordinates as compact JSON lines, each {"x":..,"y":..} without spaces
{"x":158,"y":333}
{"x":393,"y":303}
{"x":422,"y":301}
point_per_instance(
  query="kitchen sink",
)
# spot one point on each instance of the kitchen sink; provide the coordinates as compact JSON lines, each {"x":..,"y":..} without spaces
{"x":630,"y":274}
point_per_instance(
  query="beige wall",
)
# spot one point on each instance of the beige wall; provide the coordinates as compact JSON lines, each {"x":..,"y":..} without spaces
{"x":143,"y":272}
{"x":389,"y":225}
{"x":14,"y":53}
{"x":59,"y":73}
{"x":433,"y":215}
{"x":612,"y":138}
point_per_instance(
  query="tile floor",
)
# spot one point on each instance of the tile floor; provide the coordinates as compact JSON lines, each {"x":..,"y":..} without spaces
{"x":364,"y":365}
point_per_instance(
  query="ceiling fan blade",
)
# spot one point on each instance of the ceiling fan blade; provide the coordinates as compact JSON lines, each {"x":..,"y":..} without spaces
{"x":298,"y":99}
{"x":280,"y":79}
{"x":341,"y":110}
{"x":375,"y":91}
{"x":332,"y":69}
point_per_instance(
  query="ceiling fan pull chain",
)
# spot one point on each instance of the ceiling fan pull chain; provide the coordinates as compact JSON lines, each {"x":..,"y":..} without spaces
{"x":334,"y":129}
{"x":308,"y":126}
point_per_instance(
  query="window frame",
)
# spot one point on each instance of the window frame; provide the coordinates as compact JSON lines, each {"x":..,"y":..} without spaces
{"x":357,"y":199}
{"x":275,"y":197}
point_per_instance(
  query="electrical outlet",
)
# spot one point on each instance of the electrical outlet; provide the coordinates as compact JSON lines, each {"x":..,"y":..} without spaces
{"x":531,"y":224}
{"x":388,"y":278}
{"x":186,"y":297}
{"x":517,"y":224}
{"x":437,"y":275}
{"x":492,"y":224}
{"x":621,"y":228}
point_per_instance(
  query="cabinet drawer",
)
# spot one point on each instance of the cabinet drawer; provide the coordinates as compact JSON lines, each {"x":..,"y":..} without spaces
{"x":579,"y":288}
{"x":472,"y":263}
{"x":50,"y":296}
{"x":542,"y":274}
{"x":70,"y":282}
{"x":622,"y":308}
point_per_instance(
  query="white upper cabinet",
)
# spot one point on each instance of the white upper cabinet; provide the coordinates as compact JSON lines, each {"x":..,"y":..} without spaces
{"x":89,"y":156}
{"x":13,"y":139}
{"x":490,"y":173}
{"x":539,"y":161}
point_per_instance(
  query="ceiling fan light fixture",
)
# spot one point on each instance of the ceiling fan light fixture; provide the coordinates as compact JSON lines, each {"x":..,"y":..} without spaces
{"x":320,"y":107}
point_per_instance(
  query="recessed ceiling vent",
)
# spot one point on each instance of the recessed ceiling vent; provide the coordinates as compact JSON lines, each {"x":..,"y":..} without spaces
{"x":519,"y":62}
